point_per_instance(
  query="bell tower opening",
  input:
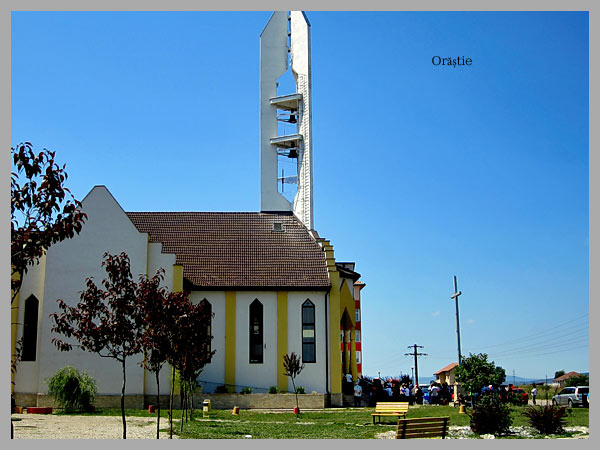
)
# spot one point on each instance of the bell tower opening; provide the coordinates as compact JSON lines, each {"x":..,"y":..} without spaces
{"x":285,"y":119}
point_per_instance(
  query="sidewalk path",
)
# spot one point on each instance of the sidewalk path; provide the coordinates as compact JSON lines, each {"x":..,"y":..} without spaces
{"x":50,"y":426}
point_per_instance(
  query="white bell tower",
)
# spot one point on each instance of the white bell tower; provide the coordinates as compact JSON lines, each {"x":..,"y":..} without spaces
{"x":286,"y":37}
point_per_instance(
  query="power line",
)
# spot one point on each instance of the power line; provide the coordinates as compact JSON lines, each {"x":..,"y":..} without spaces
{"x":552,"y":330}
{"x":548,"y":341}
{"x":548,"y":353}
{"x":415,"y":354}
{"x":536,"y":349}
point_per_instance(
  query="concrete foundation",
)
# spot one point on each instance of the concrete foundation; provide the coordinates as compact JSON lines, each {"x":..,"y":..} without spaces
{"x":218,"y":401}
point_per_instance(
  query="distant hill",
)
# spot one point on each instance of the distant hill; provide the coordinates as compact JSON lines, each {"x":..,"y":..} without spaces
{"x":509,"y":379}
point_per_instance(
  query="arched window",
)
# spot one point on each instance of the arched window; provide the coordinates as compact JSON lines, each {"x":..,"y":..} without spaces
{"x":309,"y":355}
{"x":30,"y":326}
{"x":207,"y":326}
{"x":256,"y":332}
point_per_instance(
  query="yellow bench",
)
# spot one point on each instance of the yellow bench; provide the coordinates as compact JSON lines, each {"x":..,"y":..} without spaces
{"x":423,"y":427}
{"x":390,"y":409}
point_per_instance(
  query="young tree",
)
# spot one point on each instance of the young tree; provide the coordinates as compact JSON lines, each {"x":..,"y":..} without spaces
{"x":43,"y":212}
{"x":189,"y":344}
{"x":193,"y":348}
{"x":107,"y":322}
{"x":157,"y":325}
{"x":475,"y":372}
{"x":293,"y":365}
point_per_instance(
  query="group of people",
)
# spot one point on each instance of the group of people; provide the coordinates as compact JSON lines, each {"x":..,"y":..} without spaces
{"x":378,"y":390}
{"x":440,"y":394}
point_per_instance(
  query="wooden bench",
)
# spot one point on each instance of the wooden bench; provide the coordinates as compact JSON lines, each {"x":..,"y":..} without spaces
{"x":423,"y":427}
{"x":390,"y":409}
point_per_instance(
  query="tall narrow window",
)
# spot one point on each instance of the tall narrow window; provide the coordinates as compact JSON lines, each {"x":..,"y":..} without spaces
{"x":308,"y":332}
{"x":30,"y":326}
{"x":256,"y":332}
{"x":207,"y":326}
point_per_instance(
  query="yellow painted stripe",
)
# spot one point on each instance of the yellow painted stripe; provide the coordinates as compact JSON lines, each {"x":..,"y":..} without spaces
{"x":282,"y":339}
{"x":177,"y":278}
{"x":335,"y":366}
{"x":177,"y":287}
{"x":230,"y":340}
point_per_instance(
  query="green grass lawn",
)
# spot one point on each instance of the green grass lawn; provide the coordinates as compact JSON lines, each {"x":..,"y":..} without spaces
{"x":335,"y":423}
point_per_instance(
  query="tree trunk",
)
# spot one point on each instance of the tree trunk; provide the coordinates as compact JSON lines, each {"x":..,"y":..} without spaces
{"x":171,"y":403}
{"x":191,"y":404}
{"x":123,"y":401}
{"x":183,"y":394}
{"x":295,"y":392}
{"x":157,"y":404}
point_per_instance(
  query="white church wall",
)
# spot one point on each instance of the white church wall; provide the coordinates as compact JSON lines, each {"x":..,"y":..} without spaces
{"x":158,"y":260}
{"x":33,"y":284}
{"x":69,"y":263}
{"x":263,"y":375}
{"x":213,"y":374}
{"x":313,"y":376}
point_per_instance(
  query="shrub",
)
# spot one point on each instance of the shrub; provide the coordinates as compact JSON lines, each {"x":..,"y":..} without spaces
{"x":273,"y":390}
{"x":490,"y":416}
{"x":546,"y":419}
{"x":246,"y":390}
{"x":72,"y":390}
{"x":300,"y":390}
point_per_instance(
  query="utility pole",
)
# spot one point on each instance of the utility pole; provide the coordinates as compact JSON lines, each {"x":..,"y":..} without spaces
{"x":513,"y":376}
{"x":415,"y":354}
{"x":455,"y":297}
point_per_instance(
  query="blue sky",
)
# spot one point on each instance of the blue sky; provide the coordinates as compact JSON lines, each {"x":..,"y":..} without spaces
{"x":421,"y":172}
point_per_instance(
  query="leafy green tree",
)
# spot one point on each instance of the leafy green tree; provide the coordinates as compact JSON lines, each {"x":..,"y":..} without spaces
{"x":72,"y":390}
{"x":476,"y":371}
{"x":490,"y":416}
{"x":558,"y":373}
{"x":578,"y":380}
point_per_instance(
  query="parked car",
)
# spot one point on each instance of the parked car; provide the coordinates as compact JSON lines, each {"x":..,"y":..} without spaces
{"x":572,"y":396}
{"x":520,"y":395}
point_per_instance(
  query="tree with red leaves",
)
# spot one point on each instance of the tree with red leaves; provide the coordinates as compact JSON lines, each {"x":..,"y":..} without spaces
{"x":43,"y":212}
{"x":190,"y":345}
{"x":153,"y":301}
{"x":107,"y":322}
{"x":292,"y":366}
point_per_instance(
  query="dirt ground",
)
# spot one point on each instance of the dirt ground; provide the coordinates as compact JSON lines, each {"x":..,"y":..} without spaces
{"x":50,"y":426}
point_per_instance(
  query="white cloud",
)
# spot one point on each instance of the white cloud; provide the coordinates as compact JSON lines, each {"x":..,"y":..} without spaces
{"x":435,"y":313}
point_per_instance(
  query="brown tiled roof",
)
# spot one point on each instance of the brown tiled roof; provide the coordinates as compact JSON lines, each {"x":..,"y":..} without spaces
{"x":566,"y":376}
{"x":448,"y":368}
{"x":238,"y":249}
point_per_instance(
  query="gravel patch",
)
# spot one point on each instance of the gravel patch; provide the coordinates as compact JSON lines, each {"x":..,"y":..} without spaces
{"x":50,"y":426}
{"x":455,"y":432}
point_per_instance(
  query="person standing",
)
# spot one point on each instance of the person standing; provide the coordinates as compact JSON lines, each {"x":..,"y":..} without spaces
{"x":534,"y":393}
{"x":434,"y":395}
{"x":419,"y":395}
{"x":357,"y":394}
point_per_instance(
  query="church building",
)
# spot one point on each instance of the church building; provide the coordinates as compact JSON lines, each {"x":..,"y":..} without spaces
{"x":272,"y":283}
